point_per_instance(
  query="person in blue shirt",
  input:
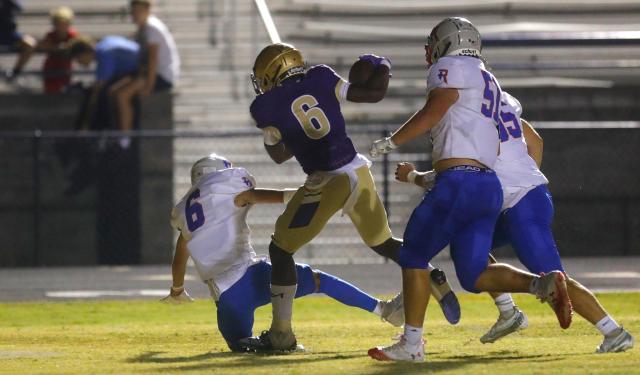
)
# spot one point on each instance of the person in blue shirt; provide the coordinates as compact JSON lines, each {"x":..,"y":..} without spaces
{"x":116,"y":64}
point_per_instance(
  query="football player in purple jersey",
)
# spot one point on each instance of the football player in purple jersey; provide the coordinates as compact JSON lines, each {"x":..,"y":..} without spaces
{"x":298,"y":109}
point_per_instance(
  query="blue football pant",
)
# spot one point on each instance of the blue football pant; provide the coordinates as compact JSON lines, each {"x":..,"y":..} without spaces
{"x":236,"y":305}
{"x":527,"y":227}
{"x":461,"y":210}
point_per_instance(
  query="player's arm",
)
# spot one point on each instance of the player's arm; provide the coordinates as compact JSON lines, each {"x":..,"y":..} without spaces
{"x":274,"y":145}
{"x":261,"y":196}
{"x":279,"y":153}
{"x":179,"y":265}
{"x":535,"y":144}
{"x":177,"y":293}
{"x":437,"y":105}
{"x":406,"y":172}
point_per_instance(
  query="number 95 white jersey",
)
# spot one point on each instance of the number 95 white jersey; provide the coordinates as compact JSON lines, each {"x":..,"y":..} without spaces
{"x":468,"y":129}
{"x":517,"y":171}
{"x":217,"y":234}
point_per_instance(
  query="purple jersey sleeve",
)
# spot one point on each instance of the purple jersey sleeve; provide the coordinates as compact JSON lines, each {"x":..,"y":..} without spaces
{"x":332,"y":79}
{"x":262,"y":111}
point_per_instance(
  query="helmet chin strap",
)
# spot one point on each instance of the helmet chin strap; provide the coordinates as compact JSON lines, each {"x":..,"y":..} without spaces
{"x":256,"y":85}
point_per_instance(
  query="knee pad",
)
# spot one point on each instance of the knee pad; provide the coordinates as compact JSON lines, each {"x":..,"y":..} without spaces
{"x":389,"y":249}
{"x":283,"y":270}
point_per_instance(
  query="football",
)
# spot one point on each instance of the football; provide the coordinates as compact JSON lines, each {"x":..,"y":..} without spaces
{"x":361,"y":71}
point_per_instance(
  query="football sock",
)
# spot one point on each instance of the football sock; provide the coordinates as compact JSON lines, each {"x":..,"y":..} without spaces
{"x":282,"y":304}
{"x":378,"y":309}
{"x":505,"y":303}
{"x":607,"y":325}
{"x":346,"y":293}
{"x":413,"y":335}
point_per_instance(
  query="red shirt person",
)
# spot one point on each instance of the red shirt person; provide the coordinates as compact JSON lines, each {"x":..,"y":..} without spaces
{"x":57,"y":65}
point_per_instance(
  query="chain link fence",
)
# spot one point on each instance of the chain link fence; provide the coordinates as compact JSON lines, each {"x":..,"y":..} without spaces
{"x":81,"y":198}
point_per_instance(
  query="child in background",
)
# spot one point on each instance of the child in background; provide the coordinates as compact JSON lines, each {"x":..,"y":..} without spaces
{"x":57,"y":66}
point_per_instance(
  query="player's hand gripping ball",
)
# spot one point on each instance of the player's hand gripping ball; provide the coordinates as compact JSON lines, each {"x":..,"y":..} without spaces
{"x":376,"y":60}
{"x":365,"y":66}
{"x":361,"y":71}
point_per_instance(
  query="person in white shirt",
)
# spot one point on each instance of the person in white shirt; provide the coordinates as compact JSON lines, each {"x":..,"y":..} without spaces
{"x":211,"y":219}
{"x":159,"y":65}
{"x":525,"y":223}
{"x":461,"y":113}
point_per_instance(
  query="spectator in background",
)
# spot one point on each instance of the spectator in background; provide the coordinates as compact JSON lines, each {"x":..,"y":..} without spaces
{"x":10,"y":37}
{"x":57,"y":66}
{"x":159,"y":62}
{"x":117,"y":60}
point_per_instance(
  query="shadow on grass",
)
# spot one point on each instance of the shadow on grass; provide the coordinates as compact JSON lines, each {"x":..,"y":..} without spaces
{"x":236,"y":360}
{"x":208,"y":361}
{"x":458,"y":362}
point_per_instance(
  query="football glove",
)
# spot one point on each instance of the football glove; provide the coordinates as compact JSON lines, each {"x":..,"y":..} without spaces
{"x":376,"y":60}
{"x":382,"y":146}
{"x":180,"y":299}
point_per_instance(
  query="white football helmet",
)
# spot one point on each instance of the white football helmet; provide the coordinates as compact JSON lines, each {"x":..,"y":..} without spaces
{"x":454,"y":36}
{"x":208,"y":164}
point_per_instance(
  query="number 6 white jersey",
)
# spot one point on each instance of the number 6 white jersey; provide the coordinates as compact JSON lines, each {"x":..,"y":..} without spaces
{"x":517,"y":171}
{"x":468,"y":129}
{"x":217,"y":234}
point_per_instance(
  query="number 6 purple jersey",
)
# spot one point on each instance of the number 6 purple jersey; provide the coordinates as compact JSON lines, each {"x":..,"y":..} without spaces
{"x":469,"y":128}
{"x":217,"y":234}
{"x":305,"y":114}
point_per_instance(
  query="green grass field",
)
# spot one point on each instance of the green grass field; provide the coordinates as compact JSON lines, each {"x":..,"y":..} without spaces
{"x":127,"y":337}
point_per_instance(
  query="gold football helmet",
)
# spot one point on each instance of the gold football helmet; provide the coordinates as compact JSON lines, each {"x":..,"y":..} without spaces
{"x":275,"y":63}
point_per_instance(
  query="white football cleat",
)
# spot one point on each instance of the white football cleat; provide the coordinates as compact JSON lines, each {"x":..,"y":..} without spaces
{"x":392,"y":310}
{"x":506,"y":324}
{"x":180,"y":299}
{"x":400,"y":351}
{"x":616,"y":342}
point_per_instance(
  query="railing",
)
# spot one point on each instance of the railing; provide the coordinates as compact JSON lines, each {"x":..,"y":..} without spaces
{"x":47,"y":227}
{"x":39,"y":151}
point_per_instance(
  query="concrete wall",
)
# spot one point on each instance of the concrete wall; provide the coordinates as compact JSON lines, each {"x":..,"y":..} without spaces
{"x":67,"y":224}
{"x":594,"y":180}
